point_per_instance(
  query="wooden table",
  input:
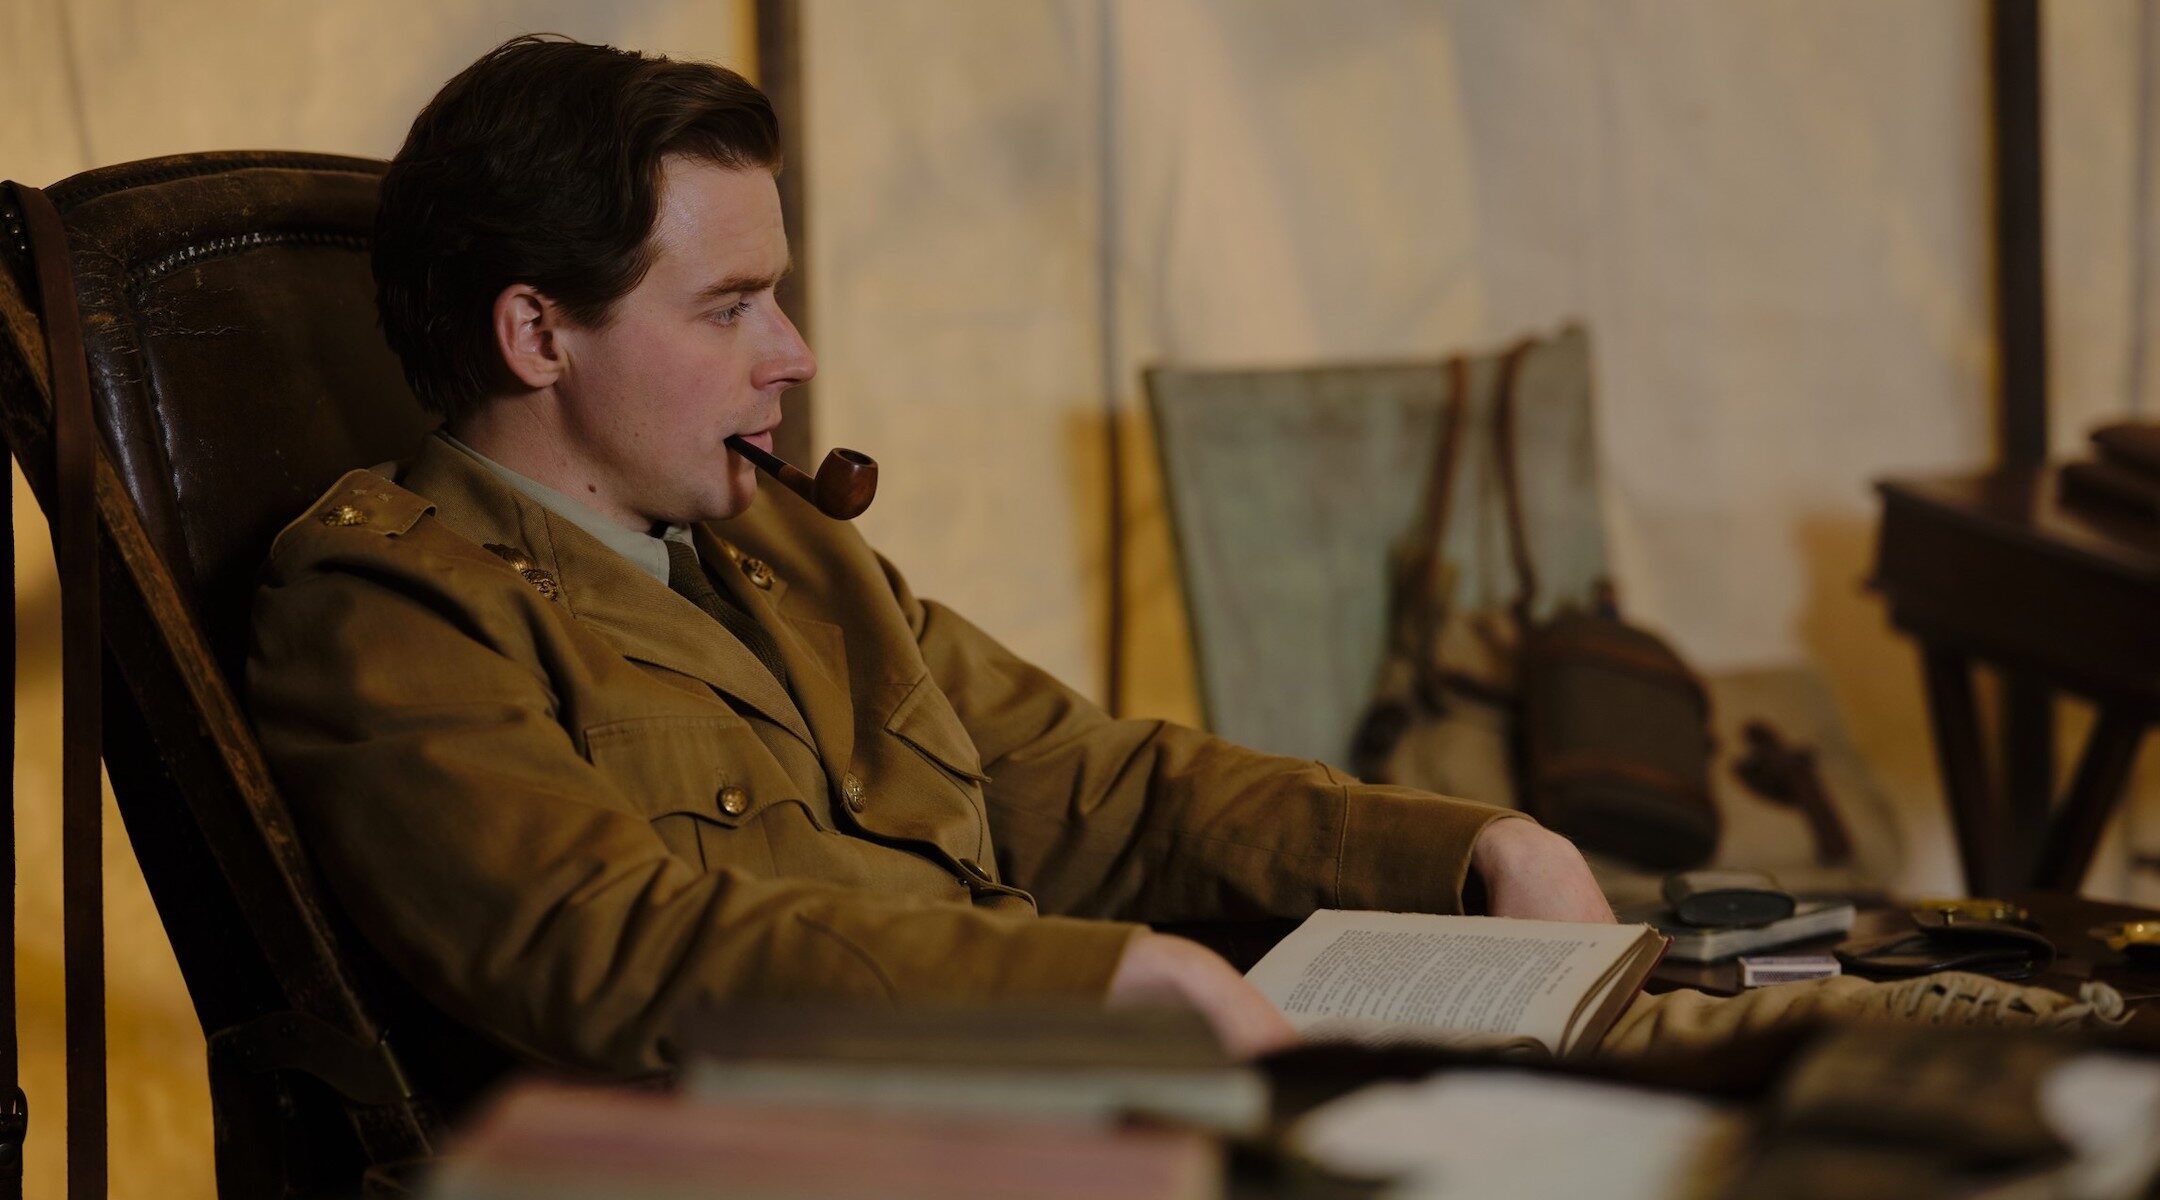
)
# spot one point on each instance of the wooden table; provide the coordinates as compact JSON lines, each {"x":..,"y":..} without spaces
{"x":2066,"y":920}
{"x":1992,"y":568}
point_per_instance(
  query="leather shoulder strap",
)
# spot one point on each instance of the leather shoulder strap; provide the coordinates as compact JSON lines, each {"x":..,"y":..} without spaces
{"x":1447,"y":451}
{"x":1509,"y":466}
{"x":1427,"y":584}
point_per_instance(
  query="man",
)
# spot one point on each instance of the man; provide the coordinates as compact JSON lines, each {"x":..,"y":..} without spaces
{"x":581,"y":735}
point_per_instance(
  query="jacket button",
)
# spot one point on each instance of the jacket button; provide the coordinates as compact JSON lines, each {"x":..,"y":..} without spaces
{"x":852,"y":789}
{"x":734,"y":801}
{"x":759,"y":573}
{"x":974,"y":871}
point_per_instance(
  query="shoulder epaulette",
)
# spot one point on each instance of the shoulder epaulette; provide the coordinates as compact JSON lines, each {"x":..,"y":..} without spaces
{"x":366,"y":500}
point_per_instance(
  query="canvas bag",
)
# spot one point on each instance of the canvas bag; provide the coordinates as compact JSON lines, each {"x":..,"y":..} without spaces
{"x":1793,"y":794}
{"x":1594,"y":726}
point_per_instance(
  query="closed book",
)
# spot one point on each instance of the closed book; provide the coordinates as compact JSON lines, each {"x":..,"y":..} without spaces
{"x":2113,"y":486}
{"x":550,"y":1142}
{"x":1812,"y":919}
{"x":1087,"y":1065}
{"x":2134,"y":445}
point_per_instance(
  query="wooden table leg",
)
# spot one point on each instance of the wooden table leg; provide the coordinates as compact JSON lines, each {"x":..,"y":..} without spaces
{"x":2102,"y":774}
{"x":1976,"y":812}
{"x":2026,"y":736}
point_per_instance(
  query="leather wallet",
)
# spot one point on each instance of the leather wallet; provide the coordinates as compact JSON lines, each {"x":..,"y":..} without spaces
{"x":1945,"y":942}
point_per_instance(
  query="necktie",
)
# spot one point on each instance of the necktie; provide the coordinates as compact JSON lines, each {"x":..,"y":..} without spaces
{"x":689,"y":580}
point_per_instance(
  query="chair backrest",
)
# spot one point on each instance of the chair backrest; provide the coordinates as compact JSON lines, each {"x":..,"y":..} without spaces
{"x":229,"y":314}
{"x":1288,"y":489}
{"x":237,"y":370}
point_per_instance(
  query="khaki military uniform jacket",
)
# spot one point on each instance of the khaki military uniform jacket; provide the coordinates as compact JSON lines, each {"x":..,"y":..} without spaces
{"x":565,"y":803}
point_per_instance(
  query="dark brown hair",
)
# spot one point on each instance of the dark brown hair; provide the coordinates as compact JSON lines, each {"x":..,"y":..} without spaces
{"x":540,"y":164}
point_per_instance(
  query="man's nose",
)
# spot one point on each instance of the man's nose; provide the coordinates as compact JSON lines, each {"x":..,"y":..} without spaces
{"x":789,"y":362}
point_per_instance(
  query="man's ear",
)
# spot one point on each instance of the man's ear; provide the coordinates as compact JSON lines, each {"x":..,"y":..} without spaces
{"x":528,"y":329}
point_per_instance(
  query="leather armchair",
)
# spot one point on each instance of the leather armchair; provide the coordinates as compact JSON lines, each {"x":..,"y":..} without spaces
{"x":237,"y":371}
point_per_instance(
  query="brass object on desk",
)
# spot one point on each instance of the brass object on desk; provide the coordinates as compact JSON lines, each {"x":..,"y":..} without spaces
{"x":1981,"y":935}
{"x":2138,"y":941}
{"x":1963,"y":910}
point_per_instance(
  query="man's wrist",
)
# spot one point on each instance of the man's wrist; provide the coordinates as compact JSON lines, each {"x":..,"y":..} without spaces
{"x":1489,"y":852}
{"x":1528,"y":870}
{"x":1503,"y":842}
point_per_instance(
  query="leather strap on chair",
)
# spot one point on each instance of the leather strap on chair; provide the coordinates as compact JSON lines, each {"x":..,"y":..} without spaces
{"x":1429,"y":597}
{"x":1510,"y":471}
{"x":14,"y":1110}
{"x":1420,"y":607}
{"x":74,"y":529}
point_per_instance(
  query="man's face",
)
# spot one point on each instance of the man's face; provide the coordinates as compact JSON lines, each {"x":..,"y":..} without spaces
{"x":697,"y":351}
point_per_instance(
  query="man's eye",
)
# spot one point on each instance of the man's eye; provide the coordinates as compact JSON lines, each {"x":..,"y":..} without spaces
{"x":732,"y":313}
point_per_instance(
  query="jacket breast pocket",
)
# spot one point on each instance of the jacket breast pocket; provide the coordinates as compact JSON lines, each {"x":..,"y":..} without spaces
{"x":925,"y":720}
{"x":697,"y":779}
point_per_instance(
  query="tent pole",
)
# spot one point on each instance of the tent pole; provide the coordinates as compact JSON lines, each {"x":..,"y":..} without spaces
{"x":780,"y":76}
{"x":2016,"y":130}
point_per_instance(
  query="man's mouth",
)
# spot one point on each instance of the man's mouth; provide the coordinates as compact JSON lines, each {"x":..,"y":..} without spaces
{"x":762,"y":439}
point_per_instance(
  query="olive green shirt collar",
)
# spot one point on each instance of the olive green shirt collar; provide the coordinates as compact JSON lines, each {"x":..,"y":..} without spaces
{"x":648,"y":552}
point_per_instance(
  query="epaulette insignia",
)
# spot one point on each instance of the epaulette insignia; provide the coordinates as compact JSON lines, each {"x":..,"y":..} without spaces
{"x":366,"y":501}
{"x":523,"y":564}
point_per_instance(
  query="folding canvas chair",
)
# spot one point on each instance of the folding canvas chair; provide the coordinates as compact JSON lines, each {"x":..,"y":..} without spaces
{"x":1288,"y":491}
{"x":1288,"y":488}
{"x":236,"y":371}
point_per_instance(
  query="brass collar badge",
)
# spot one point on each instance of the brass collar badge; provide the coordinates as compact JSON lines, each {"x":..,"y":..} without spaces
{"x":522,"y":563}
{"x":759,"y":572}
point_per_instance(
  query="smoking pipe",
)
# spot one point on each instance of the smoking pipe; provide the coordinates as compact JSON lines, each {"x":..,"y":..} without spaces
{"x":844,"y":485}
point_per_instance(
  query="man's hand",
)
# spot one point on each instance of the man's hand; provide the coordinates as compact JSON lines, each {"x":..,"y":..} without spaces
{"x":1530,"y":871}
{"x":1160,"y":969}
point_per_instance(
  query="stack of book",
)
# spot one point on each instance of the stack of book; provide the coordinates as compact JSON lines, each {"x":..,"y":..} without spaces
{"x":1717,"y":915}
{"x":875,"y":1103}
{"x":2122,"y":476}
{"x":1810,"y":919}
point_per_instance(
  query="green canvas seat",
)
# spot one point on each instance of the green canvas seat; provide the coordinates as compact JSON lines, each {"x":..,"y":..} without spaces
{"x":1288,"y":489}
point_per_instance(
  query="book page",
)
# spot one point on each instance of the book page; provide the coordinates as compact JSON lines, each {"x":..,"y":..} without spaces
{"x":1600,"y":1007}
{"x":1468,"y":974}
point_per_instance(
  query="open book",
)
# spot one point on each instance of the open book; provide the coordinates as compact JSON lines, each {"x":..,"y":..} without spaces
{"x":1471,"y":982}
